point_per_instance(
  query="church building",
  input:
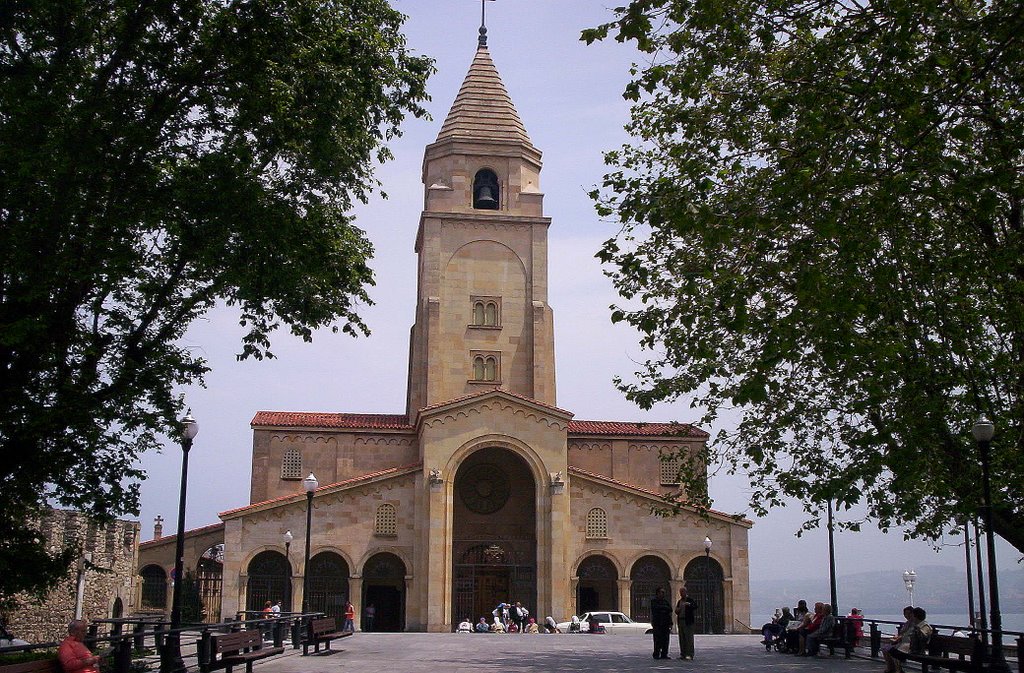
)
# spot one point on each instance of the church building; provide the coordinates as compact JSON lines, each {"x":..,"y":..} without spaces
{"x":483,"y":490}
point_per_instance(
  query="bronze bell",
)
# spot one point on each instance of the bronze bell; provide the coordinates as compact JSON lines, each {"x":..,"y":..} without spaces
{"x":484,"y":198}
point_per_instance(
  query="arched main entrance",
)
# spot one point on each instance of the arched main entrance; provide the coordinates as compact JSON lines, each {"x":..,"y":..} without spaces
{"x":328,"y":585}
{"x":494,"y":536}
{"x":269,"y":576}
{"x":598,"y":586}
{"x":384,"y":589}
{"x":211,"y":578}
{"x":154,"y":587}
{"x":704,"y":577}
{"x":649,"y":574}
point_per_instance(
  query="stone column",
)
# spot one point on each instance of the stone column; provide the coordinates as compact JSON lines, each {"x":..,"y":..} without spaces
{"x":355,"y":594}
{"x":438,"y":581}
{"x":624,"y":595}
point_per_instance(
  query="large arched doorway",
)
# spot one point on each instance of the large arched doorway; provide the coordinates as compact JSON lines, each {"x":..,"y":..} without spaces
{"x":154,"y":587}
{"x":328,"y":585}
{"x":269,"y":576}
{"x":494,"y":540}
{"x":704,"y":578}
{"x":649,"y":574}
{"x":598,"y":586}
{"x":384,"y":589}
{"x":211,"y":579}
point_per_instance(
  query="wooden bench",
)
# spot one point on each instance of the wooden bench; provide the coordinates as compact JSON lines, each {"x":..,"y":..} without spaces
{"x":243,"y":647}
{"x":35,"y":666}
{"x":844,"y":635}
{"x":322,"y":630}
{"x":948,"y":652}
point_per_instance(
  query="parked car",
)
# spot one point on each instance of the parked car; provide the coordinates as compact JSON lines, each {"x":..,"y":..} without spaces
{"x":613,"y":622}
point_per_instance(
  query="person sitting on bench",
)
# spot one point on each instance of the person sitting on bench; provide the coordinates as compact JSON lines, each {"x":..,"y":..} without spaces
{"x":74,"y":656}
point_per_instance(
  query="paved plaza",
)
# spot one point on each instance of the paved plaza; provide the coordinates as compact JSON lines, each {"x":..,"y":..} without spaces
{"x":471,"y":653}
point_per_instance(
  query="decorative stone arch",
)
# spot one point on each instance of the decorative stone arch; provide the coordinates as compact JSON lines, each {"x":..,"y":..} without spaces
{"x":328,"y":584}
{"x":402,"y":554}
{"x":386,"y":592}
{"x":518,"y":258}
{"x":256,"y":551}
{"x":597,"y":583}
{"x":705,"y":581}
{"x":689,"y":558}
{"x":647,"y":573}
{"x":619,"y":568}
{"x":154,"y":588}
{"x":273,"y":585}
{"x":345,"y":556}
{"x":672,"y":565}
{"x":525,"y":451}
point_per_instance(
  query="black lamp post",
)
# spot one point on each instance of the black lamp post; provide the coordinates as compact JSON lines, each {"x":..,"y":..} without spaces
{"x":982,"y":610}
{"x":288,"y":537}
{"x":171,"y":661}
{"x":983,"y":431}
{"x":832,"y":562}
{"x":309,"y":483}
{"x":706,"y":609}
{"x":970,"y":585}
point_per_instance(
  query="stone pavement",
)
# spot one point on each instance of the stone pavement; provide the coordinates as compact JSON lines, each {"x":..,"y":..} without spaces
{"x":472,"y":653}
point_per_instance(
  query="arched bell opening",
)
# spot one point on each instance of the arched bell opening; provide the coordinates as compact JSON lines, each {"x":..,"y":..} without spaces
{"x":494,"y":539}
{"x":486,"y":194}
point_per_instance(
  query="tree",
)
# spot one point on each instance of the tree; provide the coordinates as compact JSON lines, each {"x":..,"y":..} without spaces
{"x":159,"y":157}
{"x":822,"y":231}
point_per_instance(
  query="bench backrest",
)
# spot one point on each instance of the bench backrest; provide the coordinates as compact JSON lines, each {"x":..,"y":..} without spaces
{"x":230,"y":642}
{"x":35,"y":666}
{"x":943,"y":646}
{"x":323,"y":625}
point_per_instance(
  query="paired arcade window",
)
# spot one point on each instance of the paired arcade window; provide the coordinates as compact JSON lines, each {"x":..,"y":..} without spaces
{"x":486,"y":367}
{"x":486,"y":311}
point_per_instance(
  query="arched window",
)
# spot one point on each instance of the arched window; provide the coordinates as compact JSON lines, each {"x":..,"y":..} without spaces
{"x":597,"y":524}
{"x":385,"y":524}
{"x":491,"y":313}
{"x":485,"y":190}
{"x":486,"y":312}
{"x":478,"y":313}
{"x":291,"y":464}
{"x":485,"y":368}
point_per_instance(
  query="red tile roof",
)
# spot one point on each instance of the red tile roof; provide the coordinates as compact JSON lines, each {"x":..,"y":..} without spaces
{"x":635,"y":428}
{"x":314,"y":419}
{"x":654,"y":494}
{"x":189,"y":533}
{"x":391,"y":471}
{"x":488,"y":391}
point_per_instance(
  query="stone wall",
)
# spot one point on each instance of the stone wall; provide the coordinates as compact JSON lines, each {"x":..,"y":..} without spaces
{"x":110,"y":580}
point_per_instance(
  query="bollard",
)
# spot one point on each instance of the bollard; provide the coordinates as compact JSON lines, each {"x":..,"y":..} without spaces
{"x":203,"y":651}
{"x":278,"y":633}
{"x":876,"y":640}
{"x":158,"y":637}
{"x":296,"y":632}
{"x":123,"y":655}
{"x":139,"y":634}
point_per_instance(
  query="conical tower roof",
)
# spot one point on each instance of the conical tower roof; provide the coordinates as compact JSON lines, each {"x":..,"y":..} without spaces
{"x":483,"y":109}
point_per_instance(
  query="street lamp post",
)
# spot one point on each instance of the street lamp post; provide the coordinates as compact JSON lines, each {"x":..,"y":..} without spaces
{"x":171,"y":661}
{"x":309,"y":483}
{"x":706,"y":609}
{"x":832,"y":561}
{"x":909,"y":577}
{"x":288,"y":537}
{"x":970,"y":584}
{"x":983,"y":431}
{"x":982,"y":610}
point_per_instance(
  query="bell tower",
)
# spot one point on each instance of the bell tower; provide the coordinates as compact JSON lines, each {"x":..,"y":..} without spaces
{"x":482,"y":314}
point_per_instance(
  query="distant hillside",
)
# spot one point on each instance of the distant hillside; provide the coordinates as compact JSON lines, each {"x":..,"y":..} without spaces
{"x":939,"y":589}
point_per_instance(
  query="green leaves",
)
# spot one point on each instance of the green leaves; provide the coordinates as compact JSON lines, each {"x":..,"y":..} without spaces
{"x":158,"y":158}
{"x":821,"y":218}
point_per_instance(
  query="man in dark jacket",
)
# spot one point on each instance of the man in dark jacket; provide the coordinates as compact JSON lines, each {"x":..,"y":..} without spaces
{"x":685,"y":618}
{"x":661,"y":621}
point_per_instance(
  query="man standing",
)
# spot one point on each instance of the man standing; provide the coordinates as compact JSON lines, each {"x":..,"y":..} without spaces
{"x":661,"y":620}
{"x":74,"y":656}
{"x":685,"y":618}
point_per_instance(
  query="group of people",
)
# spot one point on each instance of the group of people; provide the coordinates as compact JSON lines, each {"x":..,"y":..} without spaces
{"x":801,"y":631}
{"x":911,"y":636}
{"x":508,"y":618}
{"x":661,"y":622}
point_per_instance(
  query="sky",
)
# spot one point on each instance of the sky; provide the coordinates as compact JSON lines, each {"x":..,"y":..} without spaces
{"x":568,"y":95}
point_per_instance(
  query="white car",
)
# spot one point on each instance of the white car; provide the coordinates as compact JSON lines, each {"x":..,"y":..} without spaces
{"x":613,"y":622}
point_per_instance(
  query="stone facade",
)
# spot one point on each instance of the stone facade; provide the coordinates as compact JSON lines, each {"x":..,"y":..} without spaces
{"x":109,"y":556}
{"x":483,"y":490}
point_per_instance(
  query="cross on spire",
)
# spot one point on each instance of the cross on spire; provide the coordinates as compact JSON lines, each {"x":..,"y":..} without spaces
{"x":482,"y":41}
